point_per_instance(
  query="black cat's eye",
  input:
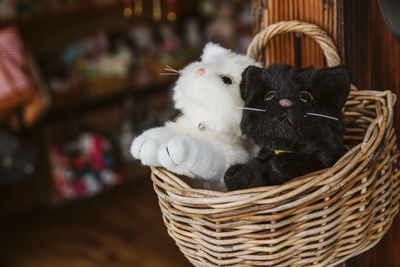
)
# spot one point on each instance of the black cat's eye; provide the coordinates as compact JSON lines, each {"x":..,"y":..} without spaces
{"x":269,"y":96}
{"x":226,"y":79}
{"x":306,"y":96}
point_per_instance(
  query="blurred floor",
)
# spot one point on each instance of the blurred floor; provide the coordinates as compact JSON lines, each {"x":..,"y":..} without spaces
{"x":122,"y":227}
{"x":119,"y":228}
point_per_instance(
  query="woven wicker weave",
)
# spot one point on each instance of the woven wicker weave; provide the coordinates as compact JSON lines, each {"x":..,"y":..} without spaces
{"x":318,"y":219}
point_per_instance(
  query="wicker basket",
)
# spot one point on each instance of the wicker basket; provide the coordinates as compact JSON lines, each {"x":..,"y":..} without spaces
{"x":320,"y":219}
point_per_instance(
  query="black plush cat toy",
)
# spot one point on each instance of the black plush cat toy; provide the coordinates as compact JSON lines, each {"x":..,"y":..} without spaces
{"x":295,"y":116}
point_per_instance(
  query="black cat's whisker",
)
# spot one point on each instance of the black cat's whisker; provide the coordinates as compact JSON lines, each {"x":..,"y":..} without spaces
{"x":321,"y":115}
{"x":251,"y":109}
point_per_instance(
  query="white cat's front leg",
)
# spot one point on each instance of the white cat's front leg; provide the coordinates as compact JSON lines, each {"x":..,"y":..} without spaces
{"x":192,"y":157}
{"x":145,"y":146}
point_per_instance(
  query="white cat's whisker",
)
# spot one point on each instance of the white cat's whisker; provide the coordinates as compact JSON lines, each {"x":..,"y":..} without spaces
{"x":252,"y":109}
{"x":169,"y":68}
{"x":321,"y":115}
{"x":172,"y":71}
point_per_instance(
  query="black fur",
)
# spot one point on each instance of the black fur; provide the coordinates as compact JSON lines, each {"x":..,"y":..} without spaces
{"x":313,"y":142}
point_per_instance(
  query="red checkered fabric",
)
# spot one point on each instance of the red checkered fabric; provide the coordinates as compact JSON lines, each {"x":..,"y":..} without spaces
{"x":13,"y":64}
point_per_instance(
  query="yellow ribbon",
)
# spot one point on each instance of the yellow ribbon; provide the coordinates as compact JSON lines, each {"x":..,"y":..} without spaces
{"x":277,"y":152}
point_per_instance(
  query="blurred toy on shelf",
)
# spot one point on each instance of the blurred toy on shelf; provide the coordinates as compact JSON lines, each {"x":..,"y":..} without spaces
{"x":126,"y":131}
{"x":171,"y":42}
{"x":244,"y":31}
{"x":208,"y":8}
{"x":221,"y":29}
{"x":229,"y":23}
{"x":115,"y":60}
{"x":91,"y":61}
{"x":143,"y":36}
{"x":131,"y":54}
{"x":83,"y":167}
{"x":18,"y":158}
{"x":193,"y":37}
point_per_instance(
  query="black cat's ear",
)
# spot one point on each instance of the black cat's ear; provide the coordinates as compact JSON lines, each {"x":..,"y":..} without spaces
{"x":305,"y":76}
{"x":333,"y":85}
{"x":249,"y":76}
{"x":307,"y":73}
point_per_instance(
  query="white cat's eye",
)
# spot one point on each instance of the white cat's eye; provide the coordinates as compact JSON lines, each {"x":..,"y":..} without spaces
{"x":227,"y":79}
{"x":306,"y":96}
{"x":269,"y":96}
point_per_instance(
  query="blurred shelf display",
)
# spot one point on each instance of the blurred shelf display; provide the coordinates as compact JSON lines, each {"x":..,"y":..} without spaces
{"x":79,"y":99}
{"x":101,"y":62}
{"x":83,"y":167}
{"x":113,"y":60}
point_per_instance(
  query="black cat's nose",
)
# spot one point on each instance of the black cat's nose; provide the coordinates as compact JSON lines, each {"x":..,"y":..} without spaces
{"x":285,"y":103}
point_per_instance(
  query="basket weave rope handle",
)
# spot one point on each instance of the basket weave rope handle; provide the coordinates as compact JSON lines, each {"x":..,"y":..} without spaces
{"x":260,"y":41}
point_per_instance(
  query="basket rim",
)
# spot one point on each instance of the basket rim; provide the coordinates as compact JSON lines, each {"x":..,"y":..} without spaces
{"x":320,"y":36}
{"x":313,"y":178}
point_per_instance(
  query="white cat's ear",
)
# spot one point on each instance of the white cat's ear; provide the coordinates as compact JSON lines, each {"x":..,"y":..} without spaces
{"x":211,"y":50}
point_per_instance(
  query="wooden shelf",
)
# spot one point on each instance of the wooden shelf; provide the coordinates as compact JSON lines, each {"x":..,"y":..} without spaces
{"x":64,"y":104}
{"x":59,"y":15}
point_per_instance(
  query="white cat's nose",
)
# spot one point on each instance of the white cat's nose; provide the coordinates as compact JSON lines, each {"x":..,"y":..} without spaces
{"x":285,"y":103}
{"x":201,"y":71}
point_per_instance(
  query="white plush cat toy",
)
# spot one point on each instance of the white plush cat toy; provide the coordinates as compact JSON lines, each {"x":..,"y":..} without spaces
{"x":206,"y":139}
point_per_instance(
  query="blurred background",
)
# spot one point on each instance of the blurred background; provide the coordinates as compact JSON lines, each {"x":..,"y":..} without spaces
{"x":79,"y":80}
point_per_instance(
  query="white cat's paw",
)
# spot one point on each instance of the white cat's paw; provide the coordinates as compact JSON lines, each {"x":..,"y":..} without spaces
{"x":174,"y":154}
{"x":191,"y":157}
{"x":145,"y":148}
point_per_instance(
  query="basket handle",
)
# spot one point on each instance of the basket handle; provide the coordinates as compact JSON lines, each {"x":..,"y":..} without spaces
{"x":261,"y":39}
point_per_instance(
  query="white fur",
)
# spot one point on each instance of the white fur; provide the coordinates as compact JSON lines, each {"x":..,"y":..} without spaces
{"x":181,"y":146}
